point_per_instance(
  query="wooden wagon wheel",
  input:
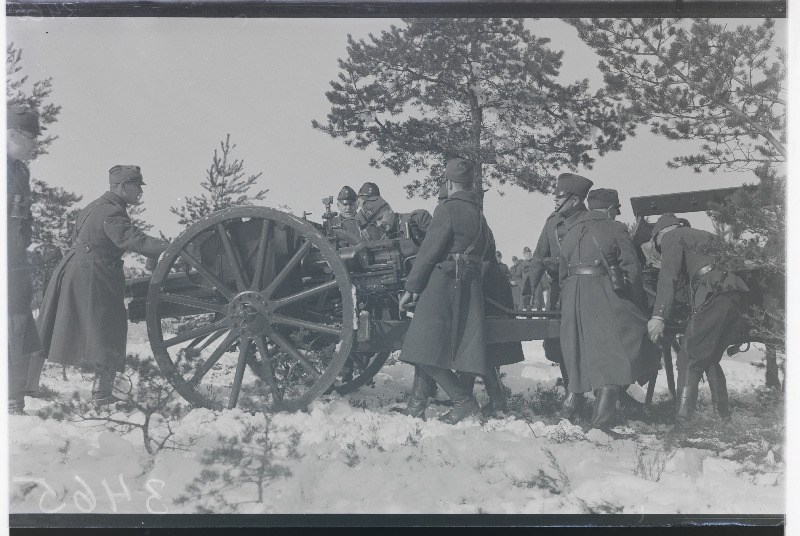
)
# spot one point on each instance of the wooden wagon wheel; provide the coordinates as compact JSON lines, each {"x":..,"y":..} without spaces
{"x":254,"y":304}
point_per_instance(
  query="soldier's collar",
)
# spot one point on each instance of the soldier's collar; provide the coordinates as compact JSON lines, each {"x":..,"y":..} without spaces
{"x":114,"y":198}
{"x":462,"y":195}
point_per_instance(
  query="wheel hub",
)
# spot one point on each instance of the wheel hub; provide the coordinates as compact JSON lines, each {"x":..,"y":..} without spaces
{"x":249,"y":313}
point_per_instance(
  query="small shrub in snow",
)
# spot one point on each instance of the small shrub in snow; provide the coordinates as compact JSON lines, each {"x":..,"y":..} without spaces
{"x":558,"y":484}
{"x":236,"y":465}
{"x":351,"y":455}
{"x":602,"y":507}
{"x":150,"y":406}
{"x":651,"y":466}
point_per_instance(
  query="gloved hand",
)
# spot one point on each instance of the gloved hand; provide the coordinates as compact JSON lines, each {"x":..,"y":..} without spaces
{"x":151,"y":263}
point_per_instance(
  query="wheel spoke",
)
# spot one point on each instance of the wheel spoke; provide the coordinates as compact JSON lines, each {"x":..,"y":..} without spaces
{"x":211,"y":339}
{"x":304,"y":294}
{"x":295,"y":353}
{"x":194,"y":302}
{"x":244,"y":348}
{"x":266,"y":367}
{"x":296,"y":258}
{"x":199,"y":332}
{"x":208,"y":274}
{"x":213,"y":358}
{"x":261,"y":254}
{"x":233,"y":257}
{"x":305,"y":324}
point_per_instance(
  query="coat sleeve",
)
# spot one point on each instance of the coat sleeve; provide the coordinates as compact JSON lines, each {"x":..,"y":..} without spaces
{"x":422,"y":218}
{"x":673,"y":257}
{"x":434,"y":247}
{"x":120,"y":229}
{"x":541,"y":252}
{"x":629,"y":262}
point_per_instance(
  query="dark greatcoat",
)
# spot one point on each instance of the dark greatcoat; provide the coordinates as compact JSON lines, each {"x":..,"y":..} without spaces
{"x":603,"y":335}
{"x":22,"y":335}
{"x":83,"y":318}
{"x":414,"y":224}
{"x":714,"y":327}
{"x":348,"y":225}
{"x":546,"y":258}
{"x":455,"y":226}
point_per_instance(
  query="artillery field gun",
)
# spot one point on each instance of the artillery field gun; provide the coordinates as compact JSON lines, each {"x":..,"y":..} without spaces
{"x":257,"y":301}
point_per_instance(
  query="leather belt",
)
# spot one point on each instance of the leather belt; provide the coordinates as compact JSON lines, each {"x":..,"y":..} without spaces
{"x":468,"y":258}
{"x":586,"y":270}
{"x":702,"y":271}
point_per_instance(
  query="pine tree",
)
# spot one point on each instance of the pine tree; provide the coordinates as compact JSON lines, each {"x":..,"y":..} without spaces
{"x":700,"y":80}
{"x":225,"y":184}
{"x":17,"y":93}
{"x":483,"y":89}
{"x":54,"y":214}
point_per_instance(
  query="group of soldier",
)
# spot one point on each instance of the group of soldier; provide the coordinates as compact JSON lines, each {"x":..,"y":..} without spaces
{"x":593,"y":274}
{"x":607,"y":339}
{"x":82,"y":319}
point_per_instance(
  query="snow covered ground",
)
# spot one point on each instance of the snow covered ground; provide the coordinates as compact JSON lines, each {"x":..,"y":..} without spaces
{"x":351,"y":455}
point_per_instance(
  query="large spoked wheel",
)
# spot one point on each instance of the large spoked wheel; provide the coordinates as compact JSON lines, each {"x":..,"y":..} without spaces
{"x":252,"y":297}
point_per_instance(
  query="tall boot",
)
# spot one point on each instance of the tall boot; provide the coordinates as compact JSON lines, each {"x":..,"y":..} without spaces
{"x":494,"y":388}
{"x":605,"y":407}
{"x":464,"y":405}
{"x":103,"y":386}
{"x":418,"y":398}
{"x":467,"y":380}
{"x":687,"y":403}
{"x":719,"y":390}
{"x":572,"y":402}
{"x":564,"y":374}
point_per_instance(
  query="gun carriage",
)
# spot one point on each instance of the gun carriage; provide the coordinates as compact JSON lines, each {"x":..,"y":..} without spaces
{"x":299,"y":307}
{"x":308,"y":308}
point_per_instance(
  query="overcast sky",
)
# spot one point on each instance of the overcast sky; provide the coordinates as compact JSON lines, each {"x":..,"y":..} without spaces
{"x":162,"y":93}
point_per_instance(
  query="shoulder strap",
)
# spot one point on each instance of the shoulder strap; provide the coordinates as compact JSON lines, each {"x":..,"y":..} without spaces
{"x":602,"y":256}
{"x":583,"y":233}
{"x":79,"y":225}
{"x":477,"y":236}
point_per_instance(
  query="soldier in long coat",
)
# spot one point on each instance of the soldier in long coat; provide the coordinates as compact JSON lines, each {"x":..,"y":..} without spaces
{"x":569,"y":196}
{"x":716,"y":300}
{"x":447,"y":332}
{"x":527,"y":291}
{"x":21,"y":133}
{"x":603,"y":333}
{"x":83,"y":319}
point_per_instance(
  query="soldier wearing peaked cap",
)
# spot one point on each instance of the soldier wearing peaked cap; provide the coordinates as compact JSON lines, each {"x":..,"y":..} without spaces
{"x":83,"y":319}
{"x":382,"y":222}
{"x":347,"y":205}
{"x":716,"y":300}
{"x":369,"y":191}
{"x":22,"y":129}
{"x":569,"y":196}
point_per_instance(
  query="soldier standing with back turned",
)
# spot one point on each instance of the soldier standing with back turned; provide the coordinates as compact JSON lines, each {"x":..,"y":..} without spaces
{"x":447,"y":332}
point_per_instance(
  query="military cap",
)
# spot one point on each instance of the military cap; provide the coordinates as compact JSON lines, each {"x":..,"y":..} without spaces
{"x":370,"y":191}
{"x":347,"y":194}
{"x":571,"y":183}
{"x":459,"y":170}
{"x":666,"y":220}
{"x":443,"y":190}
{"x":514,"y":258}
{"x":372,"y":208}
{"x":120,"y":174}
{"x":23,"y":118}
{"x":603,"y":198}
{"x":526,"y":249}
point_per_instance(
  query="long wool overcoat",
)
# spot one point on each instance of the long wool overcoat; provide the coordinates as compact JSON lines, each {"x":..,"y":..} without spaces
{"x":83,"y":318}
{"x":22,"y":335}
{"x":603,"y":335}
{"x":497,"y":286}
{"x":456,"y":225}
